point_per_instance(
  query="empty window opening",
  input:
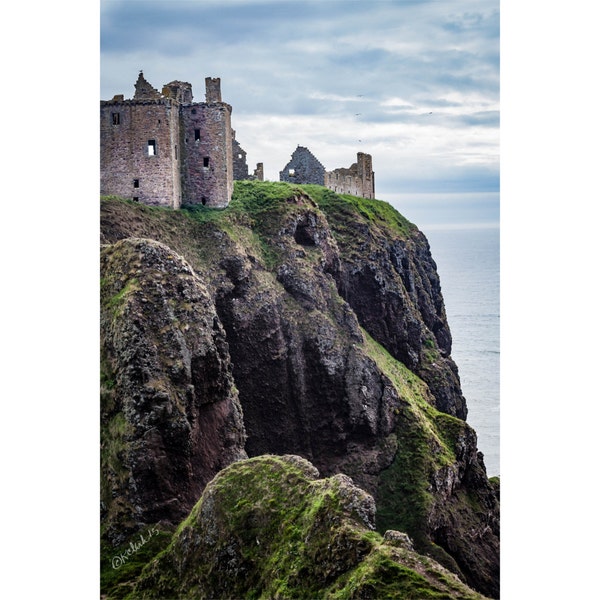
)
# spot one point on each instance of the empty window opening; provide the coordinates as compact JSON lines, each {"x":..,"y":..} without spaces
{"x":175,"y":151}
{"x":203,"y":201}
{"x":206,"y":161}
{"x":116,"y":118}
{"x":193,"y":111}
{"x":136,"y":183}
{"x":136,"y":199}
{"x":291,"y":172}
{"x":197,"y":135}
{"x":151,"y":147}
{"x":240,"y":156}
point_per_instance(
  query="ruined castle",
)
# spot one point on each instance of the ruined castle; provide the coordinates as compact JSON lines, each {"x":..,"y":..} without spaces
{"x":358,"y":179}
{"x":164,"y":149}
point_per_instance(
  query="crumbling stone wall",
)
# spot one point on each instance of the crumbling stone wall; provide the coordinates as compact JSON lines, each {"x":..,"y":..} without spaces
{"x":240,"y":166}
{"x":163,"y":149}
{"x":358,"y":180}
{"x":259,"y":172}
{"x":179,"y":90}
{"x":303,"y":168}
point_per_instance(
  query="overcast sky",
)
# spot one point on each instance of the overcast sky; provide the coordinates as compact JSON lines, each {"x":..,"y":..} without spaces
{"x":413,"y":83}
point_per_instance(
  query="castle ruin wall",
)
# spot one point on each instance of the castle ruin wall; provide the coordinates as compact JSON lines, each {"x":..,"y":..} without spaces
{"x":358,"y":180}
{"x":139,"y":151}
{"x":208,"y":165}
{"x":162,"y":149}
{"x":303,"y":167}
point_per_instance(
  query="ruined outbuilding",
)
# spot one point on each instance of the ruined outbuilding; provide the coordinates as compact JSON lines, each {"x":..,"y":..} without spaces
{"x":164,"y":149}
{"x":303,"y":167}
{"x":240,"y":165}
{"x":358,"y":179}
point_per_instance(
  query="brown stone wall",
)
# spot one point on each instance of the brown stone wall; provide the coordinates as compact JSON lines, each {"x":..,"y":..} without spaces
{"x":127,"y":168}
{"x":358,"y":180}
{"x":207,"y":172}
{"x":303,"y":167}
{"x":191,"y":160}
{"x":213,"y":89}
{"x":240,"y":166}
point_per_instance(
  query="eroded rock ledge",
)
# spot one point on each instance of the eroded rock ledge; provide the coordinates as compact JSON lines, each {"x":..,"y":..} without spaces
{"x":268,"y":527}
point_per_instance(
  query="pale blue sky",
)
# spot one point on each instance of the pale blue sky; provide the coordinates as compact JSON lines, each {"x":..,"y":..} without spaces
{"x":413,"y":83}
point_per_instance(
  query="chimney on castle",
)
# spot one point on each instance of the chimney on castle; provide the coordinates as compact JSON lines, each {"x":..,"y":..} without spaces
{"x":213,"y":89}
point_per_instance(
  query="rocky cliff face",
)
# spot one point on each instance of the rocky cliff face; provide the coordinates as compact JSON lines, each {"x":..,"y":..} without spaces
{"x":171,"y":417}
{"x":278,"y":531}
{"x":294,"y":322}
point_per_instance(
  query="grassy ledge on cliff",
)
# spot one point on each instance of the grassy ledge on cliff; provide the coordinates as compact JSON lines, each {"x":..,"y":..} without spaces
{"x":318,"y":319}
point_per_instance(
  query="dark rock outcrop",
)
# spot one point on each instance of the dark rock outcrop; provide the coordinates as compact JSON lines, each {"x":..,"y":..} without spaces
{"x":170,"y":414}
{"x":392,"y":285}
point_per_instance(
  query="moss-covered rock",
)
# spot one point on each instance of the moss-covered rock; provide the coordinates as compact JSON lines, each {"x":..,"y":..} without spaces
{"x":267,"y":527}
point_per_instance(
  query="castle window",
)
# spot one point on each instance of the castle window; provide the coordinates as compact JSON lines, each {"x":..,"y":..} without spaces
{"x":197,"y":135}
{"x":136,"y":183}
{"x":136,"y":199}
{"x":116,"y":118}
{"x":240,"y":156}
{"x":151,"y":147}
{"x":203,"y":201}
{"x":193,"y":111}
{"x":206,"y":161}
{"x":175,"y":151}
{"x":292,"y":172}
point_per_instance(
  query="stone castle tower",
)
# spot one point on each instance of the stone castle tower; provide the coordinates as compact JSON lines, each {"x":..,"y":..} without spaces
{"x":164,"y":149}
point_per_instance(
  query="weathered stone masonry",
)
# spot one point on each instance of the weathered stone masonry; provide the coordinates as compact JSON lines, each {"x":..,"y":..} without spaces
{"x":358,"y":180}
{"x":240,"y":166}
{"x":163,"y":149}
{"x":303,"y":168}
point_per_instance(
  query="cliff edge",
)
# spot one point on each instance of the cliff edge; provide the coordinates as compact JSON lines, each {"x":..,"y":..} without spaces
{"x":295,"y":322}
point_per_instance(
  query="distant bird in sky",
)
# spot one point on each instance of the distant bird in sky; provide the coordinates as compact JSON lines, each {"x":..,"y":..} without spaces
{"x":357,"y":114}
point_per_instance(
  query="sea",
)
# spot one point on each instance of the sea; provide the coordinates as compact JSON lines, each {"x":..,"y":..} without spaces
{"x":468,"y":263}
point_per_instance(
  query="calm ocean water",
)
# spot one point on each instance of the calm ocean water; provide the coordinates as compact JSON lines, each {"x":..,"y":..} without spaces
{"x":468,"y":262}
